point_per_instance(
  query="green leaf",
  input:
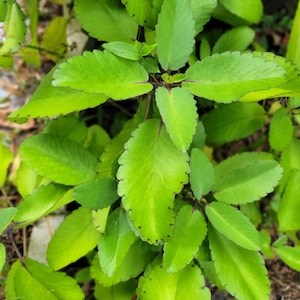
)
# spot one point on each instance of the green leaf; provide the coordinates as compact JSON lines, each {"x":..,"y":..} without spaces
{"x":115,"y":243}
{"x":248,"y":183}
{"x":152,"y":169}
{"x":228,"y":76}
{"x":293,"y":49}
{"x":6,"y":157}
{"x":235,"y":39}
{"x":179,"y":113}
{"x":281,"y":129}
{"x":199,"y":137}
{"x":38,"y":281}
{"x":49,"y":101}
{"x":249,"y":10}
{"x":202,"y":173}
{"x":3,"y":10}
{"x":121,"y":291}
{"x":100,"y":218}
{"x":39,"y":203}
{"x":242,"y":272}
{"x":106,"y":20}
{"x":175,"y":30}
{"x":288,"y":212}
{"x":2,"y":256}
{"x":232,"y":122}
{"x":6,"y":216}
{"x":234,"y":225}
{"x":189,"y":232}
{"x":58,"y":159}
{"x":123,"y":49}
{"x":54,"y":39}
{"x":73,"y":239}
{"x":103,"y":72}
{"x":158,"y":283}
{"x":135,"y":261}
{"x":201,"y":11}
{"x":15,"y":29}
{"x":96,"y":193}
{"x":289,"y":255}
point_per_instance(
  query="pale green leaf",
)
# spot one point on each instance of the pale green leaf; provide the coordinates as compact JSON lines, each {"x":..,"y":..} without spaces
{"x":249,"y":10}
{"x":2,"y":256}
{"x":123,"y":49}
{"x":201,"y":11}
{"x":179,"y":113}
{"x":100,"y":217}
{"x":232,"y":122}
{"x":289,"y":255}
{"x":6,"y":216}
{"x":38,"y":281}
{"x":293,"y":49}
{"x":228,"y":76}
{"x":289,"y":207}
{"x":159,"y":284}
{"x":58,"y":159}
{"x":121,"y":291}
{"x":96,"y":193}
{"x":235,"y":39}
{"x":49,"y":101}
{"x":174,"y":31}
{"x":106,"y":20}
{"x":189,"y":232}
{"x":15,"y":29}
{"x":202,"y":173}
{"x":135,"y":261}
{"x":248,"y":183}
{"x":103,"y":72}
{"x":234,"y":225}
{"x":74,"y":238}
{"x":281,"y":129}
{"x":39,"y":203}
{"x":115,"y":243}
{"x":242,"y":272}
{"x":6,"y":158}
{"x":154,"y":170}
{"x":3,"y":10}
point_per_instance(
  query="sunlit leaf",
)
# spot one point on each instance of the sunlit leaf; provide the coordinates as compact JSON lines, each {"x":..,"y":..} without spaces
{"x":103,"y":72}
{"x":123,"y":49}
{"x":74,"y":238}
{"x":152,"y":170}
{"x":175,"y":30}
{"x":6,"y":158}
{"x":179,"y":113}
{"x":289,"y":255}
{"x":6,"y":216}
{"x":2,"y":256}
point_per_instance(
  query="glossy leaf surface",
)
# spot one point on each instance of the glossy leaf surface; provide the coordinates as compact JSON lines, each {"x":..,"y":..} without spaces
{"x":103,"y":72}
{"x":241,"y":271}
{"x":58,"y":159}
{"x":189,"y":232}
{"x":179,"y":113}
{"x":175,"y":30}
{"x":226,"y":77}
{"x":152,"y":170}
{"x":289,"y":255}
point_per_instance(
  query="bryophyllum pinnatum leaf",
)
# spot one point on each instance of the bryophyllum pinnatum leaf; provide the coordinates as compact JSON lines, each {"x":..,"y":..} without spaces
{"x":49,"y":101}
{"x":106,"y":20}
{"x":6,"y":216}
{"x":234,"y":225}
{"x":231,"y":122}
{"x":38,"y":281}
{"x":241,"y":271}
{"x":179,"y":113}
{"x":248,"y":183}
{"x":202,"y":173}
{"x":290,"y":256}
{"x":189,"y":232}
{"x":157,"y":283}
{"x":175,"y":30}
{"x":103,"y":72}
{"x":58,"y":159}
{"x":152,"y":170}
{"x":2,"y":256}
{"x":228,"y":76}
{"x":122,"y":49}
{"x":115,"y":243}
{"x":73,"y":239}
